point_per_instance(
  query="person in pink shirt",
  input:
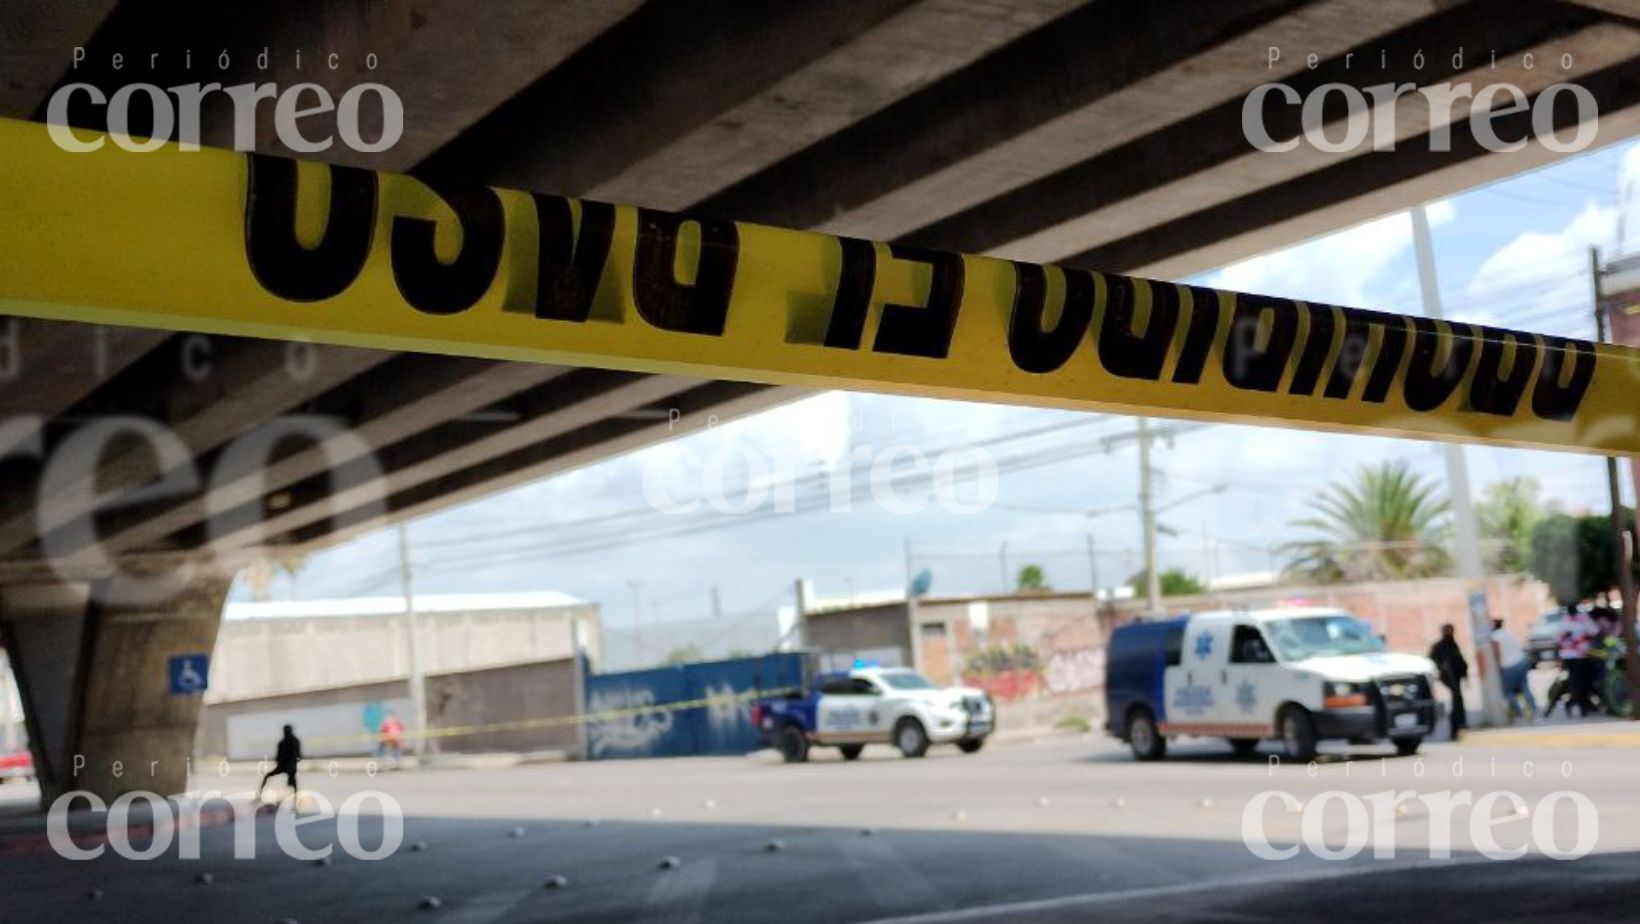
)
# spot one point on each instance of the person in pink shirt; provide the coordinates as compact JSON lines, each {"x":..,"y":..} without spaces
{"x":1577,"y":635}
{"x":392,"y":738}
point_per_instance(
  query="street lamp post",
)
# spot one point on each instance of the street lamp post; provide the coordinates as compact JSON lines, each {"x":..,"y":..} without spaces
{"x":1147,"y":518}
{"x":1465,"y":527}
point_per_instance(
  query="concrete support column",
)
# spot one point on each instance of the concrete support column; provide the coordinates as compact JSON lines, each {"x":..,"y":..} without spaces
{"x":94,"y":673}
{"x":42,"y":627}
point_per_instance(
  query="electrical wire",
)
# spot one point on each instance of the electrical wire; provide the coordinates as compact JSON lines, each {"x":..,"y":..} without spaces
{"x":806,"y":504}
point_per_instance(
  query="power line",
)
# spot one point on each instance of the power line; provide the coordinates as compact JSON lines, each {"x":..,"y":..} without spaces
{"x":798,"y":482}
{"x":709,"y":521}
{"x":1504,"y":286}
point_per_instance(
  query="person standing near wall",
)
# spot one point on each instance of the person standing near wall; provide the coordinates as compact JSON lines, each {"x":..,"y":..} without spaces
{"x":1516,"y":668}
{"x":1453,"y":668}
{"x":392,"y":739}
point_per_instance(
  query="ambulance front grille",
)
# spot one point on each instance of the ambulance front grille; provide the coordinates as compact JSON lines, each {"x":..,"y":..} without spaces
{"x":1403,"y":691}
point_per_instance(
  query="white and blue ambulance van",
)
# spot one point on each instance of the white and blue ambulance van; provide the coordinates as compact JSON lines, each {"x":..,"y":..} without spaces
{"x":1300,"y":675}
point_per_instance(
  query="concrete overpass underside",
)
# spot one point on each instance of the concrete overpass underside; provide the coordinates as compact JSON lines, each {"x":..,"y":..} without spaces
{"x":1105,"y":135}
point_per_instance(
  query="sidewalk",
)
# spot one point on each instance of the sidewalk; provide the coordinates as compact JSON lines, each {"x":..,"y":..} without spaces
{"x":1598,"y":732}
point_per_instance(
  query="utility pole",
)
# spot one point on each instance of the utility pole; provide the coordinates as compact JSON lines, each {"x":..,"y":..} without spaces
{"x":1002,"y":564}
{"x":418,"y":680}
{"x":911,"y":609}
{"x":637,"y":622}
{"x":1207,"y":554}
{"x":1147,"y":516}
{"x":717,"y":603}
{"x":1093,"y":572}
{"x":1470,"y":566}
{"x":800,"y":601}
{"x":1625,"y":573}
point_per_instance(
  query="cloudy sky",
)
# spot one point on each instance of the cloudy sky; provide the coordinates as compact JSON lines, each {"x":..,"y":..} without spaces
{"x":1513,"y":253}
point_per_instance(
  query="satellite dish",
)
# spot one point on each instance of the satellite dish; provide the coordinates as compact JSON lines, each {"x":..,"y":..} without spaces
{"x":921,"y":583}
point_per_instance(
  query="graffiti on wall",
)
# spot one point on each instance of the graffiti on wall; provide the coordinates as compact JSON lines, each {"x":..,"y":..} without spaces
{"x":700,"y":708}
{"x":1076,"y":670}
{"x":1068,"y":662}
{"x":625,"y":720}
{"x":726,"y":710}
{"x":1006,"y":672}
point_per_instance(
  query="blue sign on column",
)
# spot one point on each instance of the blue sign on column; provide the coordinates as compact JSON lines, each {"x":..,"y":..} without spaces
{"x":190,"y":673}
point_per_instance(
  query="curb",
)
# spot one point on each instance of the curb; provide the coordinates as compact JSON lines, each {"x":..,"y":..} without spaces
{"x":1554,"y":740}
{"x":412,"y":763}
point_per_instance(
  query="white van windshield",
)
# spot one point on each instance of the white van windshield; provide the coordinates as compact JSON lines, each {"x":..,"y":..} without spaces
{"x":1318,"y":636}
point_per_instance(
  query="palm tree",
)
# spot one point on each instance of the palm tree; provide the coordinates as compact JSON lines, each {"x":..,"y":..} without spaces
{"x":1387,"y":524}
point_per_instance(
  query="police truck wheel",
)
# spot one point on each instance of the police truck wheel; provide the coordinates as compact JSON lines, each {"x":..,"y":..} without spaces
{"x":851,"y":751}
{"x":1298,"y":734}
{"x":1243,"y":746}
{"x":1144,"y":737}
{"x":793,"y":745}
{"x":1406,"y":747}
{"x":911,"y":738}
{"x":970,"y":745}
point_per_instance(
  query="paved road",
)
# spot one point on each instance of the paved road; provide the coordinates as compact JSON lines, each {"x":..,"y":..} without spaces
{"x":1059,"y":830}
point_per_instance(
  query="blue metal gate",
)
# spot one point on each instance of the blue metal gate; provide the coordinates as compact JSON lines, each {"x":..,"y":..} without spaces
{"x":688,"y":709}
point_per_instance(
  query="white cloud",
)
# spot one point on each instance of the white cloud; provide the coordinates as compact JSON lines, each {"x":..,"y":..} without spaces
{"x":1538,"y":275}
{"x":1340,"y":268}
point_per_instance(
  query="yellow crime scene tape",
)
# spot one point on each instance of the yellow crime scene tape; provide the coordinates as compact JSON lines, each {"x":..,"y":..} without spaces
{"x":560,"y":721}
{"x":246,"y":244}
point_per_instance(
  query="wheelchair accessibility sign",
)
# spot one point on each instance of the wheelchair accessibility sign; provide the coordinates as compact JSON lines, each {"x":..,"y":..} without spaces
{"x":190,"y":674}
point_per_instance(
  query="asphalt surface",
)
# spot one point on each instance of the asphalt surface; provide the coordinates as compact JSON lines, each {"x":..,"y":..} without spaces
{"x":1065,"y":829}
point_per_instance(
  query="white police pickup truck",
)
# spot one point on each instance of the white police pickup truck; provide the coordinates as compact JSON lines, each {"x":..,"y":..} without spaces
{"x":1299,"y":675}
{"x":875,"y":705}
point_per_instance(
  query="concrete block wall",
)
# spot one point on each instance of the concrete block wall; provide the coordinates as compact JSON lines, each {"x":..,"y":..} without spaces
{"x":331,"y":722}
{"x":880,"y":633}
{"x":267,"y":657}
{"x":526,"y":706}
{"x":1039,"y":656}
{"x":520,"y":707}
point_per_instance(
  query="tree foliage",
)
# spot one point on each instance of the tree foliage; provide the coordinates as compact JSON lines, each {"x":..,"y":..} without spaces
{"x":1174,"y":582}
{"x":1385,"y":523}
{"x":1032,"y":580}
{"x":1574,"y":555}
{"x":1507,"y":514}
